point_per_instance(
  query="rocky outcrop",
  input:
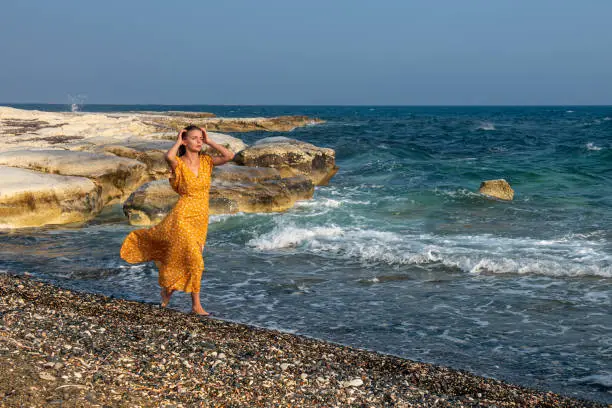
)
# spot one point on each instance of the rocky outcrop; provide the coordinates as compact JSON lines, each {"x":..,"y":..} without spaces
{"x":150,"y":203}
{"x":29,"y":128}
{"x":264,"y":196}
{"x":234,"y":189}
{"x":33,"y":199}
{"x":112,"y":155}
{"x":497,"y":189}
{"x":230,"y":173}
{"x":116,"y":176}
{"x":150,"y":152}
{"x":291,"y":158}
{"x":277,"y":124}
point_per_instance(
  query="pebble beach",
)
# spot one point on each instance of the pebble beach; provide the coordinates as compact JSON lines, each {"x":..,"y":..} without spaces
{"x":64,"y":348}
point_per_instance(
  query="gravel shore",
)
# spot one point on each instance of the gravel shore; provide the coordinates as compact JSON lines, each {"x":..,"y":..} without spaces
{"x":64,"y":348}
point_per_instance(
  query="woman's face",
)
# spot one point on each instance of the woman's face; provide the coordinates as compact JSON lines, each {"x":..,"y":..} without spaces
{"x":194,"y":140}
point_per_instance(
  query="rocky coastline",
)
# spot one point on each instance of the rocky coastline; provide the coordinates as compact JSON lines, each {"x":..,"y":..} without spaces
{"x":65,"y":348}
{"x":65,"y":167}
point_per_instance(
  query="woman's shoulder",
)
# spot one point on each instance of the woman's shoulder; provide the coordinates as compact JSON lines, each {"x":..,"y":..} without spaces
{"x":179,"y":165}
{"x":206,"y":158}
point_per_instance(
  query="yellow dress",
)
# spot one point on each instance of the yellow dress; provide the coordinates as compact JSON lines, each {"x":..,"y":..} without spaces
{"x":177,"y":242}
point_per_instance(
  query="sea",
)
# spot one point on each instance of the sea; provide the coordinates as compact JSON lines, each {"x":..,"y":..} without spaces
{"x":400,"y":254}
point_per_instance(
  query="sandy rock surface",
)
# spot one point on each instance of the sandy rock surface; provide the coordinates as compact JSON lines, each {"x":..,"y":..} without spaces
{"x":119,"y":152}
{"x":291,"y":158}
{"x":33,"y":199}
{"x":117,"y":176}
{"x":234,"y":189}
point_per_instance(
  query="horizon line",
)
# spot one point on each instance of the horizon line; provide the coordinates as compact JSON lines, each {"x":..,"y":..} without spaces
{"x":10,"y":104}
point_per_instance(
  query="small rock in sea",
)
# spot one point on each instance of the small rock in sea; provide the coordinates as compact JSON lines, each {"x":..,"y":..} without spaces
{"x":497,"y":189}
{"x":46,"y":376}
{"x":213,"y":354}
{"x":304,"y":376}
{"x":284,"y":366}
{"x":221,"y":355}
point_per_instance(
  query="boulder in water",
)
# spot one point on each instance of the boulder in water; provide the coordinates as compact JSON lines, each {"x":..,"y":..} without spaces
{"x":291,"y":158}
{"x":497,"y":189}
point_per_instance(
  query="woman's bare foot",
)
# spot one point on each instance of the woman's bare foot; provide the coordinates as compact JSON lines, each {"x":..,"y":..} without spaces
{"x":199,"y":311}
{"x":165,"y":296}
{"x":196,"y":306}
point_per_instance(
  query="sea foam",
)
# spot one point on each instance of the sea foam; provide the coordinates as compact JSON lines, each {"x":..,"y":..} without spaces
{"x":486,"y":126}
{"x":475,"y":254}
{"x":591,"y":146}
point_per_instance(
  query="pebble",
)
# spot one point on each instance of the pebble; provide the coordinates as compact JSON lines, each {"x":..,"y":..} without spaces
{"x":46,"y":376}
{"x":145,"y":350}
{"x":355,"y":382}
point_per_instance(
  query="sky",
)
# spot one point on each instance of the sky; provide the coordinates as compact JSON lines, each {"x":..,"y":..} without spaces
{"x":332,"y":52}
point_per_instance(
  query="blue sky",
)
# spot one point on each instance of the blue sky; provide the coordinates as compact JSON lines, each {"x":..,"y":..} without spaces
{"x":398,"y":52}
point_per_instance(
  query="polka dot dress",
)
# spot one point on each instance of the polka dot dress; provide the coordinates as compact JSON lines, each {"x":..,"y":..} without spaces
{"x":177,"y":242}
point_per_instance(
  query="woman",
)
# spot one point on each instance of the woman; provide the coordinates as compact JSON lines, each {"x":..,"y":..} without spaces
{"x":177,"y":242}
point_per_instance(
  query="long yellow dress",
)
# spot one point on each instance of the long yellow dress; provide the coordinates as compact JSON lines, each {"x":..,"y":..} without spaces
{"x":177,"y":242}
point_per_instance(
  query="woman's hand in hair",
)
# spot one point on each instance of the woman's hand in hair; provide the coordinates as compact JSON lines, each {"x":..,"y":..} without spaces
{"x":226,"y":154}
{"x":179,"y":138}
{"x":205,"y":138}
{"x":170,"y":155}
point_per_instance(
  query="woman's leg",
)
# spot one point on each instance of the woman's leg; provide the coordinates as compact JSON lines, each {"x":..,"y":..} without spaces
{"x":196,"y":307}
{"x":165,"y":296}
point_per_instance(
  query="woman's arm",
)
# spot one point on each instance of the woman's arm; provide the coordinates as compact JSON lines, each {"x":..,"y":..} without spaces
{"x":227,"y":155}
{"x":170,"y":155}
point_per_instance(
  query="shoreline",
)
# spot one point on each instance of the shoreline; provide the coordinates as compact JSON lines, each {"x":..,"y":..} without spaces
{"x":59,"y":346}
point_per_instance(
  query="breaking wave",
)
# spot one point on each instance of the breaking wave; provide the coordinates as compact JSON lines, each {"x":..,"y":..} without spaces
{"x":570,"y":256}
{"x":486,"y":126}
{"x":591,"y":146}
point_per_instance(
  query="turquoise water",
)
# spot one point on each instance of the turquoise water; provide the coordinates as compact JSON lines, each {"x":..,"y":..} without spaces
{"x":399,"y":254}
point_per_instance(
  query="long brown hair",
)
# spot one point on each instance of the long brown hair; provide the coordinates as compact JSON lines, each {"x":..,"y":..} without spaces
{"x":182,"y":149}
